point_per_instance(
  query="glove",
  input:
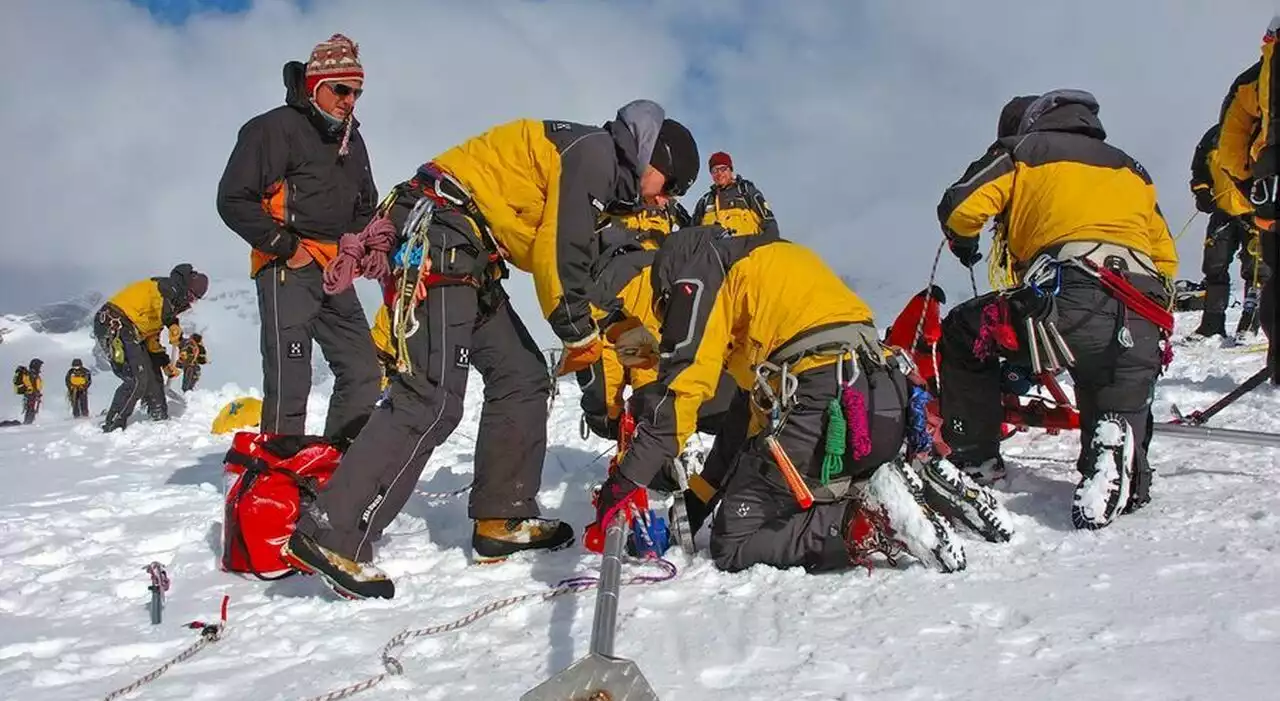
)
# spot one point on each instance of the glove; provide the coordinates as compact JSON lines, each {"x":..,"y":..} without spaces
{"x":602,"y":425}
{"x":965,"y":249}
{"x":637,"y":348}
{"x":580,"y":355}
{"x":1204,"y":200}
{"x":615,"y":494}
{"x":171,"y":370}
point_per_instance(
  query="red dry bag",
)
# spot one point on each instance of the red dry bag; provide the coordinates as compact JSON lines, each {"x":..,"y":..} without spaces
{"x":269,"y":479}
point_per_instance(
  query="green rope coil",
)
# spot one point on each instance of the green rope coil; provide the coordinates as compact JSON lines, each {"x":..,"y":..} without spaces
{"x":833,"y":461}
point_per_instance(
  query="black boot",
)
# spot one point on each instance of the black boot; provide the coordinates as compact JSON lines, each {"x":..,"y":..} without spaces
{"x":1211,"y":324}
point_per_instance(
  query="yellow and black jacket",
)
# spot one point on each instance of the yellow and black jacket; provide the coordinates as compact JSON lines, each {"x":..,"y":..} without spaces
{"x":78,"y":379}
{"x":738,"y":207}
{"x":26,"y":382}
{"x":1054,"y":180}
{"x":651,"y":223}
{"x":1246,"y":140}
{"x":727,"y":303}
{"x":541,"y":185}
{"x":153,"y":305}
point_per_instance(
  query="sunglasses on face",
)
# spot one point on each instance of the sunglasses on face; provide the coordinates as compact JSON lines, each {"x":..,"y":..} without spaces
{"x":719,"y":169}
{"x":343,"y":90}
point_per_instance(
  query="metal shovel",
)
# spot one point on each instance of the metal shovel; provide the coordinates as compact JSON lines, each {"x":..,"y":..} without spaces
{"x":600,"y":676}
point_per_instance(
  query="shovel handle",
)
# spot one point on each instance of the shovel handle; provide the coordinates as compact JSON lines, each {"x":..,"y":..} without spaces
{"x":602,"y":627}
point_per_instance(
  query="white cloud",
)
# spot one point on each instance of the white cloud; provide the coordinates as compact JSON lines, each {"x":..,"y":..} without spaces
{"x":852,"y":117}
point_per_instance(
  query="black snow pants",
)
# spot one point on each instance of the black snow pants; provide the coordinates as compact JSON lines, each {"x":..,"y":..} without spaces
{"x":31,"y":406}
{"x":1224,"y":238}
{"x":1108,"y":377}
{"x":140,"y":376}
{"x":294,"y":311}
{"x":79,"y":399}
{"x":759,"y":521}
{"x":190,"y":376}
{"x":461,"y":326}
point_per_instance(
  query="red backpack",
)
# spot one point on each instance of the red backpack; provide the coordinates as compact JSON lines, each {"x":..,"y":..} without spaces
{"x":269,"y":479}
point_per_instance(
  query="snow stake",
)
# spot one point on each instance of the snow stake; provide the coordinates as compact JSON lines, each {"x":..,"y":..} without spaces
{"x":600,"y":676}
{"x":159,"y":585}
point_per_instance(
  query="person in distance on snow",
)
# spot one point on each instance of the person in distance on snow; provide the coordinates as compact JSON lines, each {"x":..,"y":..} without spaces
{"x":28,"y":384}
{"x":1248,"y":168}
{"x":1061,"y":195}
{"x":733,"y":202}
{"x":528,"y":192}
{"x":78,"y":381}
{"x":1223,"y":237}
{"x":127,"y":328}
{"x":797,"y":339}
{"x":191,"y":355}
{"x":297,"y":180}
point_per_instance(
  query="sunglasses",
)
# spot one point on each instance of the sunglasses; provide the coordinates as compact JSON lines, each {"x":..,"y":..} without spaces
{"x":343,"y":90}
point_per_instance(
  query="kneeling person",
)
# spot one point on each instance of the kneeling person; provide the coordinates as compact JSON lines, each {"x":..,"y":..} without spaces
{"x":792,"y":341}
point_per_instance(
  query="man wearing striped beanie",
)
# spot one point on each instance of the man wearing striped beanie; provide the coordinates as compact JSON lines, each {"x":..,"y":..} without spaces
{"x":297,"y":180}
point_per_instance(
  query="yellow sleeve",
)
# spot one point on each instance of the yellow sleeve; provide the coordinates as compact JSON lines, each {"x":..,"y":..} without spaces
{"x":175,"y":335}
{"x":982,"y":193}
{"x":1226,"y":192}
{"x":1164,"y":253}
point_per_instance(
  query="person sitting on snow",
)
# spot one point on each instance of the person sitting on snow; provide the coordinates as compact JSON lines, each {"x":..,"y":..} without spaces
{"x":825,"y":399}
{"x":127,"y":328}
{"x":191,"y":355}
{"x":733,"y":202}
{"x":28,"y":384}
{"x":1070,"y":208}
{"x":78,"y":380}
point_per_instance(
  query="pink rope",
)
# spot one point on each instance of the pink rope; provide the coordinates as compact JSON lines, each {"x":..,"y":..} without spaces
{"x":855,"y":413}
{"x":366,"y":253}
{"x":994,"y":330}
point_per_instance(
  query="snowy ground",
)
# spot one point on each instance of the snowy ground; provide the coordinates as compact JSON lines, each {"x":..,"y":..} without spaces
{"x":1178,"y":601}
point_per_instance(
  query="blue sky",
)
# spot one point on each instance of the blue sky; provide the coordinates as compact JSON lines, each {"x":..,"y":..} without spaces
{"x":851,"y":117}
{"x":178,"y":11}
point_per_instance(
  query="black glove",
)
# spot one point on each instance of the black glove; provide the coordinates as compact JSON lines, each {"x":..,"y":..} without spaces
{"x":965,"y":249}
{"x":602,"y":425}
{"x":1204,"y":200}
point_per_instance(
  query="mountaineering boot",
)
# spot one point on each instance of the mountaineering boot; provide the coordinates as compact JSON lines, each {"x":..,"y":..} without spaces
{"x":984,"y":472}
{"x":1104,"y":485}
{"x":1249,"y":322}
{"x":896,"y":491}
{"x":495,"y":539}
{"x":346,"y":577}
{"x":957,"y":496}
{"x":1211,"y":324}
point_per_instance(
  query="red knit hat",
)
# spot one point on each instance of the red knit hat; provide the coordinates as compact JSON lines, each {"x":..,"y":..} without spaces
{"x":335,"y":59}
{"x":720,"y":158}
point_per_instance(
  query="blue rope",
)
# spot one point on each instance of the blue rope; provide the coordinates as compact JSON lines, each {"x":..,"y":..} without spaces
{"x":919,"y":440}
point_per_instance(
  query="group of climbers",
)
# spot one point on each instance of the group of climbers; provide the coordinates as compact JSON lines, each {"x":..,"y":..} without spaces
{"x":29,"y":384}
{"x":824,"y":452}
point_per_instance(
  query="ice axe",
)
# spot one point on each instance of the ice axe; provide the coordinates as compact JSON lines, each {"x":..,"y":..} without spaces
{"x":600,"y":676}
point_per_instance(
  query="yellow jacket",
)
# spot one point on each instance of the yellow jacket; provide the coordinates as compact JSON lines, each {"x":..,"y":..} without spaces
{"x":381,"y":332}
{"x":652,"y":223}
{"x":1242,"y":136}
{"x":27,"y":382}
{"x":146,"y":305}
{"x":729,"y":303}
{"x":542,"y":184}
{"x":1056,"y":181}
{"x":738,"y":207}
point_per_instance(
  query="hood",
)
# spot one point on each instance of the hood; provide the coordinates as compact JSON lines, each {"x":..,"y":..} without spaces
{"x":1011,"y":115}
{"x":295,"y":96}
{"x":677,"y":250}
{"x":1070,"y":111}
{"x":635,"y":131}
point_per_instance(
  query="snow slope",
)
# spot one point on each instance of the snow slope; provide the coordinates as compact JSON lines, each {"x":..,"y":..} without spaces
{"x":1178,"y":601}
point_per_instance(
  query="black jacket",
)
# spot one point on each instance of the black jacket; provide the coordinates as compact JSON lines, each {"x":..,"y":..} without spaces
{"x":325,"y":195}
